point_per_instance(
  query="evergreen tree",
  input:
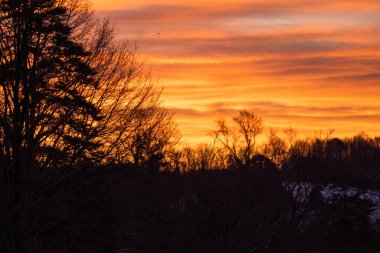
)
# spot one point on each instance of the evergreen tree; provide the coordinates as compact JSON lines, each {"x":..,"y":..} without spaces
{"x":44,"y":76}
{"x":70,"y":97}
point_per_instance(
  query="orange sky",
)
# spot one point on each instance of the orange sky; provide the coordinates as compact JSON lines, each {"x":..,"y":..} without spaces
{"x":309,"y":64}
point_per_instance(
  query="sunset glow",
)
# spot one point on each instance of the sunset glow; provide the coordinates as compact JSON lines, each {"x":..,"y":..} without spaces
{"x":309,"y":64}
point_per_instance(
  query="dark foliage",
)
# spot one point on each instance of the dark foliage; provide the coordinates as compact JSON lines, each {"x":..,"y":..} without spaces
{"x":235,"y":211}
{"x":349,"y":162}
{"x":88,"y":158}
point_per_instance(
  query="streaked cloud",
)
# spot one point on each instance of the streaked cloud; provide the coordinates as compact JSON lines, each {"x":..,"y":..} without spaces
{"x":310,"y":64}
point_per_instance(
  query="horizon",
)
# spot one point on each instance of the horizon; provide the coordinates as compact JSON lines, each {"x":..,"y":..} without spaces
{"x":310,"y":65}
{"x":277,"y":105}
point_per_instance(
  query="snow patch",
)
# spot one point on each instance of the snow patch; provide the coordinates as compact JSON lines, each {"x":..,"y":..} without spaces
{"x":301,"y":191}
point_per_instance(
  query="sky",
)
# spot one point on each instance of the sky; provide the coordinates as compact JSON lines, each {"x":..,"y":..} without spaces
{"x":308,"y":64}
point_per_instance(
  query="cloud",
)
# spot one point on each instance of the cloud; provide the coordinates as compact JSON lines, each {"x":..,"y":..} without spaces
{"x":309,"y":63}
{"x":201,"y":10}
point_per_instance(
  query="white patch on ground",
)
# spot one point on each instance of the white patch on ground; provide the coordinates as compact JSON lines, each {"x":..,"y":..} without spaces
{"x":301,"y":191}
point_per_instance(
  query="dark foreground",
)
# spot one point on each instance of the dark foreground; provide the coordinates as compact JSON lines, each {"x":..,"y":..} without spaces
{"x":209,"y":211}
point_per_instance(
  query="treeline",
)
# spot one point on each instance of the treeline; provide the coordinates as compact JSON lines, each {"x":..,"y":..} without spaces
{"x":90,"y":160}
{"x":243,"y":144}
{"x":251,"y":191}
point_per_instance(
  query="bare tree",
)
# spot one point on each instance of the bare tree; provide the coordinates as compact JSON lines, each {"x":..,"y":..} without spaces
{"x":70,"y":95}
{"x":205,"y":157}
{"x":240,"y":140}
{"x":152,"y":140}
{"x":276,"y":149}
{"x":68,"y":88}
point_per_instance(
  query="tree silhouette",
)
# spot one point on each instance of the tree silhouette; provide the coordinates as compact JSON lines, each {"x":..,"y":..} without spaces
{"x":71,"y":97}
{"x":44,"y":78}
{"x":76,"y":106}
{"x":276,"y":149}
{"x":240,"y":139}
